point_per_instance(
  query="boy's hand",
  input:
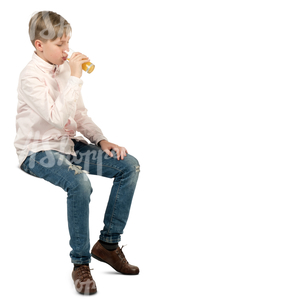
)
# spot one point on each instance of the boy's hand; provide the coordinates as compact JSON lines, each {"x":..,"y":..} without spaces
{"x":75,"y":62}
{"x":107,"y":146}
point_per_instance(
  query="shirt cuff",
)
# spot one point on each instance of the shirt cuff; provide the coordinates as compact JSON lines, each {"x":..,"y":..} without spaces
{"x":76,"y":81}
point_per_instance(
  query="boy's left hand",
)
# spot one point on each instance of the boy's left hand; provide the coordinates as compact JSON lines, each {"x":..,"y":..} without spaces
{"x":107,"y":146}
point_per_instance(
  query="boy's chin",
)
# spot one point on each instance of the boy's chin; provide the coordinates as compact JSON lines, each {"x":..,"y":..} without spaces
{"x":61,"y":62}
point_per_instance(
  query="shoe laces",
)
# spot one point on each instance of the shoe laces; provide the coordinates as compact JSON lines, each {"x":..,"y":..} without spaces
{"x":84,"y":273}
{"x":122,"y":256}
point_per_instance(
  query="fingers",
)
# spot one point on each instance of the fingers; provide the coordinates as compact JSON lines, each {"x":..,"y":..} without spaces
{"x":108,"y":152}
{"x":120,"y":151}
{"x":77,"y":56}
{"x":123,"y":153}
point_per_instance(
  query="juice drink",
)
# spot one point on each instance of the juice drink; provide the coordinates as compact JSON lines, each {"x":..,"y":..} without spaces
{"x":87,"y":67}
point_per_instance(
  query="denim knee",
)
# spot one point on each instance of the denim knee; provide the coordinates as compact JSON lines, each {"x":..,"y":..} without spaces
{"x":131,"y":164}
{"x":82,"y":185}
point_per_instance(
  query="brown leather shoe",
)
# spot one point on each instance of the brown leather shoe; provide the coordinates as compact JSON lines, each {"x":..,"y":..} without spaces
{"x":83,"y":280}
{"x":115,"y":259}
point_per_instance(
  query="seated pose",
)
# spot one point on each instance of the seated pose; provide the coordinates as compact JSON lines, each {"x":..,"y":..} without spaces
{"x":50,"y":111}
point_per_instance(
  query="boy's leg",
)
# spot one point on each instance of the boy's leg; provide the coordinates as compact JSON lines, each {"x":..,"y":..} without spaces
{"x":54,"y":167}
{"x":125,"y":173}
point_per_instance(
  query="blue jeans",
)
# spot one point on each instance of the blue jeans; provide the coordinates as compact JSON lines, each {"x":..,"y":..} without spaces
{"x":70,"y":173}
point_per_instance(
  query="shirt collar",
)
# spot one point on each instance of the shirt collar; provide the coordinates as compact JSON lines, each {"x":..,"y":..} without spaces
{"x":45,"y":66}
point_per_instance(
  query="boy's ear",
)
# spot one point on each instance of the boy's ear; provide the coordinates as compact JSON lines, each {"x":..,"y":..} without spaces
{"x":38,"y":45}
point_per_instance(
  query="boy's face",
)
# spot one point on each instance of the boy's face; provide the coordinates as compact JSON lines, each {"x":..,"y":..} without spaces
{"x":53,"y":52}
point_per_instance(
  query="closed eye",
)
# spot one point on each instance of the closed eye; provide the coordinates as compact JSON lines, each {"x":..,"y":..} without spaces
{"x":61,"y":44}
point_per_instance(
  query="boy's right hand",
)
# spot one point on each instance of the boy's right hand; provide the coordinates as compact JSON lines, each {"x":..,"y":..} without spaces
{"x":76,"y":60}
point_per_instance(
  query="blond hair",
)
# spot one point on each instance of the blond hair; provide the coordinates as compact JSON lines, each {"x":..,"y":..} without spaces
{"x":48,"y":25}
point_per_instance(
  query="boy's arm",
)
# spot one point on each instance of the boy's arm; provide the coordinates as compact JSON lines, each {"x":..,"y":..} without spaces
{"x":35,"y":93}
{"x":86,"y":125}
{"x":90,"y":130}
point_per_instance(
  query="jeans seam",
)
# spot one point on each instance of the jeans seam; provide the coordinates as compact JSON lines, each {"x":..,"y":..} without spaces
{"x":115,"y":203}
{"x":112,"y":167}
{"x":75,"y":220}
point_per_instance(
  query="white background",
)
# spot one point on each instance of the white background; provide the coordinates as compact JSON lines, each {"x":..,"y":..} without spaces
{"x":205,"y":94}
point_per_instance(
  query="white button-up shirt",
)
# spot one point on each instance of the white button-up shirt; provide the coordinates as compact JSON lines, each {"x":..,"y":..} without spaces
{"x":50,"y":110}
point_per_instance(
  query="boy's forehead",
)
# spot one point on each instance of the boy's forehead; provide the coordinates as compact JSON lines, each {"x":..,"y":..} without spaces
{"x":63,"y":38}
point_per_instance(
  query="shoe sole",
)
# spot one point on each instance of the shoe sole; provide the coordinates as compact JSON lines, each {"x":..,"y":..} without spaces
{"x":100,"y":259}
{"x":82,"y":293}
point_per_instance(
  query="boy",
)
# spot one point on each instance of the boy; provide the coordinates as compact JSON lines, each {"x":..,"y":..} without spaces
{"x":50,"y":110}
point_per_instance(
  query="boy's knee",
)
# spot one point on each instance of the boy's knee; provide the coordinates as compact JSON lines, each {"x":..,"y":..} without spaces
{"x":82,"y":184}
{"x":132,"y":163}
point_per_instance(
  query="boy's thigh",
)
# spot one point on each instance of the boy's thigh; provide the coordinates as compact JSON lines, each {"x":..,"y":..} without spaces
{"x":54,"y":167}
{"x":95,"y":161}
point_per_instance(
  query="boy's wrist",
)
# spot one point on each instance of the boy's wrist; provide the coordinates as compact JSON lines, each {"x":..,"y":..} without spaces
{"x":99,"y":143}
{"x":75,"y":75}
